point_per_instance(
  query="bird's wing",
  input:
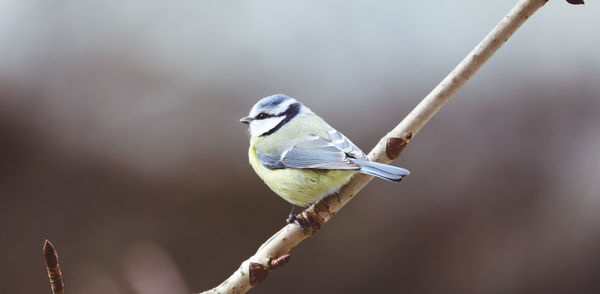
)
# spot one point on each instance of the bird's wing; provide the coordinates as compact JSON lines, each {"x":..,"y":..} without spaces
{"x":344,"y":144}
{"x":313,"y":152}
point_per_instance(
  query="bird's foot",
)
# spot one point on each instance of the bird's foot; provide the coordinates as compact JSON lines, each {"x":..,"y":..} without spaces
{"x":293,"y":219}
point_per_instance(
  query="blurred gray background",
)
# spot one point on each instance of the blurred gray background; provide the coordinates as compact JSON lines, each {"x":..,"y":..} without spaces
{"x":120,"y":142}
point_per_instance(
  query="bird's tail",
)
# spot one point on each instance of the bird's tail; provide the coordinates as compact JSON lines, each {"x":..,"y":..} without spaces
{"x":380,"y":170}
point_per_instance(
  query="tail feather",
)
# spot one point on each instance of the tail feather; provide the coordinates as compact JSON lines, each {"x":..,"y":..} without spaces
{"x":380,"y":170}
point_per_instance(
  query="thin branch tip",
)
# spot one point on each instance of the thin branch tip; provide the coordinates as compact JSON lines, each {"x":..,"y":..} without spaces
{"x":53,"y":267}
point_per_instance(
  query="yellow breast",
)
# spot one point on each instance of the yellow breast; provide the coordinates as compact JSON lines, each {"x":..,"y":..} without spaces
{"x":299,"y":186}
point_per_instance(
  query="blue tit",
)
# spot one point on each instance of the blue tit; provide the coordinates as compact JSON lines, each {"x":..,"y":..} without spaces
{"x":300,"y":157}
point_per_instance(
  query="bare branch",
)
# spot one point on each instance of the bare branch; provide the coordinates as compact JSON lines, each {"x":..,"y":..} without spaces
{"x":53,"y":268}
{"x":254,"y":270}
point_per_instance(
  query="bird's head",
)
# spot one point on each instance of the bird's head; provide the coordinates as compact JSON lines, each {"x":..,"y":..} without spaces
{"x":271,"y":113}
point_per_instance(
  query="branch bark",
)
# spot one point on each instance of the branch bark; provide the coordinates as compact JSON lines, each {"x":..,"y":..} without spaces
{"x":53,"y":268}
{"x":275,"y":250}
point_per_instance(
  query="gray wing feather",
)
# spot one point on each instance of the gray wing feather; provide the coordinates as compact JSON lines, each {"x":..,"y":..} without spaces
{"x":344,"y":144}
{"x":270,"y":162}
{"x":312,"y":152}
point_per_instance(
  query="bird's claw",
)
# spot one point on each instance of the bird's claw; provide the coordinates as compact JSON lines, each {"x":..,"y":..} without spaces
{"x":292,"y":219}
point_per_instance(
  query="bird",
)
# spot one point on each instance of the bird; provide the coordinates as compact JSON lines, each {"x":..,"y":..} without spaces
{"x":301,"y":157}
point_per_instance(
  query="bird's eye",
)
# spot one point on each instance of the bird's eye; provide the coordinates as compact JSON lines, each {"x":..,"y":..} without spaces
{"x":262,"y":115}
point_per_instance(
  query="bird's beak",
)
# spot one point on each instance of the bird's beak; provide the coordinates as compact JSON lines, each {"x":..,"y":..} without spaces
{"x":245,"y":119}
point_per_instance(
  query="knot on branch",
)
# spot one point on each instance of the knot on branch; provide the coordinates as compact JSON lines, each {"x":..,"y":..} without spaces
{"x":394,"y":145}
{"x":311,"y":220}
{"x":259,"y":272}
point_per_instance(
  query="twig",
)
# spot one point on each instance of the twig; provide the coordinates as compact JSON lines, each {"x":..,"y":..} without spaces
{"x":388,"y":148}
{"x":53,"y":268}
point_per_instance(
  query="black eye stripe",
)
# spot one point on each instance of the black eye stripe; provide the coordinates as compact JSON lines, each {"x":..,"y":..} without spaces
{"x":264,"y":115}
{"x":290,"y":113}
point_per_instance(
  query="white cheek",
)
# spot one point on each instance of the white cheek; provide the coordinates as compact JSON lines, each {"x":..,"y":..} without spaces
{"x":259,"y":127}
